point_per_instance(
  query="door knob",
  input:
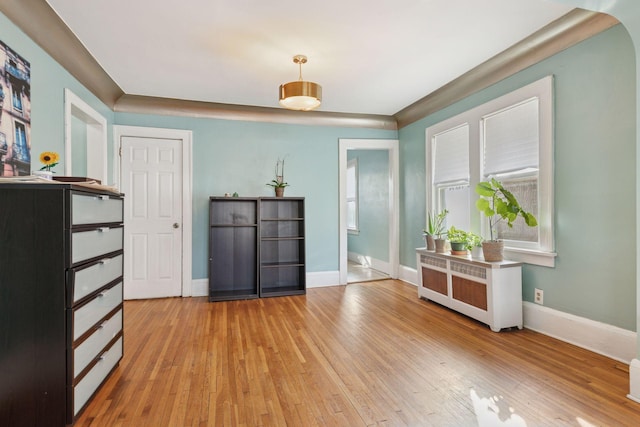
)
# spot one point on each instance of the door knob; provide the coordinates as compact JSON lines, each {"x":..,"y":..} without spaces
{"x":176,"y":225}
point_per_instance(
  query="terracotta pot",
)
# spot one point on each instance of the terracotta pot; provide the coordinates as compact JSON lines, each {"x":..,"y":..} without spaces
{"x":492,"y":250}
{"x":279,"y":191}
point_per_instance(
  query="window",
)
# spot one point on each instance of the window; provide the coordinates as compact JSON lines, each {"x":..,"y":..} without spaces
{"x":16,"y":97}
{"x":510,"y":139}
{"x":450,"y":150}
{"x":352,"y":196}
{"x":20,"y":147}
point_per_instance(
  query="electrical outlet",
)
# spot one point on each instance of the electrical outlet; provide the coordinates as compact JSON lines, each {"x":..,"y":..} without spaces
{"x":538,"y":296}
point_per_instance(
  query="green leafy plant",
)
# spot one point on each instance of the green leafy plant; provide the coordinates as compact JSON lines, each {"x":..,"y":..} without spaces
{"x":435,"y":223}
{"x":275,"y":184}
{"x":467,"y":238}
{"x":499,"y":204}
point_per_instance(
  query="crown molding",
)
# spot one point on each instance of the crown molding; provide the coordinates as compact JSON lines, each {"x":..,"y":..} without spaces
{"x":38,"y":21}
{"x":564,"y":32}
{"x":199,"y":109}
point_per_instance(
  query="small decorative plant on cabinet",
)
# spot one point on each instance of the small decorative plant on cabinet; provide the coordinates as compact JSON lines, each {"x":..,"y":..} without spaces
{"x":462,"y":241}
{"x":499,"y":204}
{"x":278,"y":183}
{"x":435,"y":229}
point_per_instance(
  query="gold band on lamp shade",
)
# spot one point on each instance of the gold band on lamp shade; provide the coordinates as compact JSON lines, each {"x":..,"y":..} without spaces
{"x":300,"y":95}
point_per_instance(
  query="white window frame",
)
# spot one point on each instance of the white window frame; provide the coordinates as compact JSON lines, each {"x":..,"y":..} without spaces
{"x":543,"y":253}
{"x":353,"y":163}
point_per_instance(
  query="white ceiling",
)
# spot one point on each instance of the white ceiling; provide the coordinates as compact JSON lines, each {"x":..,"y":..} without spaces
{"x":371,"y":57}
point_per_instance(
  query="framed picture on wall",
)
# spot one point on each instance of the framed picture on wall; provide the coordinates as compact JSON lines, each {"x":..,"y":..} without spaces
{"x":15,"y":113}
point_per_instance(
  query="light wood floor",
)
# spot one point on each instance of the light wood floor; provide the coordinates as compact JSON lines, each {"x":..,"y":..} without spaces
{"x":364,"y":354}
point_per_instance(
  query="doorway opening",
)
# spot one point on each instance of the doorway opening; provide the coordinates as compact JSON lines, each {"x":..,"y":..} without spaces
{"x":386,"y":243}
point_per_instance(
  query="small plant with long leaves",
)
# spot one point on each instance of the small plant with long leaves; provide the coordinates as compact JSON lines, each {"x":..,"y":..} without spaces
{"x":435,"y":223}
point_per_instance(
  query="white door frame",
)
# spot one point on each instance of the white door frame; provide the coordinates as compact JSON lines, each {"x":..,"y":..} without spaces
{"x":392,"y":146}
{"x":186,"y":138}
{"x":96,"y":143}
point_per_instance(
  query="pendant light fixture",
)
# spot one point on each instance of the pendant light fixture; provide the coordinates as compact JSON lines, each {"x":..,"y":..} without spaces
{"x":300,"y":95}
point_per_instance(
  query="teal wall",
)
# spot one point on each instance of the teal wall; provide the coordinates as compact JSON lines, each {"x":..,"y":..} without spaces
{"x":595,"y":205}
{"x":595,"y":178}
{"x":236,"y":156}
{"x":78,"y":147}
{"x":48,"y":81}
{"x":373,"y":199}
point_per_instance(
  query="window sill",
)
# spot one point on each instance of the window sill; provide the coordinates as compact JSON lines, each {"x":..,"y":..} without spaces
{"x":530,"y":256}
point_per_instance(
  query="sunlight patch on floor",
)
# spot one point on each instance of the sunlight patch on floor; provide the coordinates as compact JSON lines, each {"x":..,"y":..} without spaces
{"x":584,"y":423}
{"x":494,"y":411}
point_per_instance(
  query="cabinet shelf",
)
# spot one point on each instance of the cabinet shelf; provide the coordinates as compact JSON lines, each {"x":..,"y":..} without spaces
{"x":256,"y":247}
{"x":233,"y":237}
{"x":281,"y":264}
{"x":282,"y":244}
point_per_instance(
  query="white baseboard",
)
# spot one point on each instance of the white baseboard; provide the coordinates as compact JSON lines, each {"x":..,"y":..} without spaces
{"x":409,"y":275}
{"x":634,"y":380}
{"x":199,"y":287}
{"x":601,"y":338}
{"x":318,"y":279}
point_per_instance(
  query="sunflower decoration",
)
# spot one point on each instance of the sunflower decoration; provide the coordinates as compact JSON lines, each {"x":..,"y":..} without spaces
{"x":49,"y":159}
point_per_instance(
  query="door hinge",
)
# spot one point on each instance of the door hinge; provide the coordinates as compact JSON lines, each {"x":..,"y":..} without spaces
{"x":120,"y":151}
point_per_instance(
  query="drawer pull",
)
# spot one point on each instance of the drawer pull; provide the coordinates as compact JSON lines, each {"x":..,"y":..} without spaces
{"x":102,"y":295}
{"x":105,"y":261}
{"x":103,"y":197}
{"x":103,"y":229}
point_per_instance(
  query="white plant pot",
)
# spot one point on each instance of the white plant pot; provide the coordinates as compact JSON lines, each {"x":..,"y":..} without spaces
{"x":44,"y":174}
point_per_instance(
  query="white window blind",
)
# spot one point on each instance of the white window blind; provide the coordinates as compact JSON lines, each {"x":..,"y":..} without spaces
{"x":451,"y":160}
{"x":511,"y":138}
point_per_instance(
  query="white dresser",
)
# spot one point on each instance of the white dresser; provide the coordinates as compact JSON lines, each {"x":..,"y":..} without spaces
{"x":490,"y":292}
{"x":61,"y":265}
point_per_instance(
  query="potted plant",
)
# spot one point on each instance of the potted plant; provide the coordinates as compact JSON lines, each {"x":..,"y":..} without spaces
{"x":278,"y":183}
{"x":499,"y":204}
{"x":462,"y":241}
{"x":435,"y":229}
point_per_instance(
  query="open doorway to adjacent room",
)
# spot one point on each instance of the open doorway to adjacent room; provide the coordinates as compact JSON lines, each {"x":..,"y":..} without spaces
{"x":368,"y":210}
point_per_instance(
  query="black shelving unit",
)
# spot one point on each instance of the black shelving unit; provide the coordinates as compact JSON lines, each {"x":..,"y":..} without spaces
{"x":233,"y":242}
{"x":256,"y":247}
{"x":282,"y":246}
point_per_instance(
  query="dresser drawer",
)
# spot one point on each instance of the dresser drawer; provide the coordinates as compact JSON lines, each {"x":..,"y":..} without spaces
{"x":88,"y":385}
{"x":93,"y":243}
{"x":92,"y":346}
{"x":91,"y":277}
{"x":92,"y":312}
{"x":95,"y":209}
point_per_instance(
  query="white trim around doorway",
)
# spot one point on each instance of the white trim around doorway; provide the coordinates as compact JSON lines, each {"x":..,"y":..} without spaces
{"x":392,"y":146}
{"x":186,"y":136}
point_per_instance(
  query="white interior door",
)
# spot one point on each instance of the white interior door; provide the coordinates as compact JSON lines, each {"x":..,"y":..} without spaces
{"x":151,"y":179}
